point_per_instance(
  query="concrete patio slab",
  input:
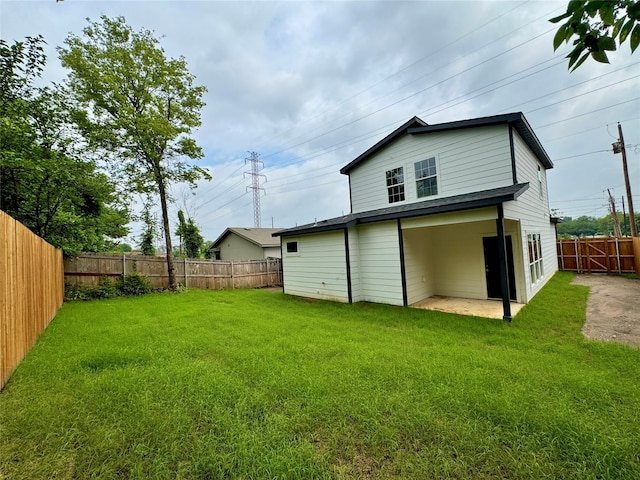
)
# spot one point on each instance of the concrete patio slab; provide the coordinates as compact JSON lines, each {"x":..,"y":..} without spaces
{"x":467,"y":306}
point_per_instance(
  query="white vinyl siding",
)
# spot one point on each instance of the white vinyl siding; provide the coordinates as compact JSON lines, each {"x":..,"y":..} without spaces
{"x":447,"y":258}
{"x":379,"y":259}
{"x":272,"y":252}
{"x":459,"y":263}
{"x":469,"y":160}
{"x":533,"y":213}
{"x":418,"y":251}
{"x":318,"y":269}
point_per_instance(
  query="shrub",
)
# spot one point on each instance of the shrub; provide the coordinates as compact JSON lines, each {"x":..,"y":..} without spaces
{"x":106,"y":289}
{"x":76,"y":292}
{"x":134,"y":284}
{"x":131,"y":284}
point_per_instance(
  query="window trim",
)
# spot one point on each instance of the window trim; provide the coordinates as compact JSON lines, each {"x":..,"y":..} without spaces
{"x":436,"y":165}
{"x":399,"y":186}
{"x":536,"y":264}
{"x":540,"y":189}
{"x":295,"y":252}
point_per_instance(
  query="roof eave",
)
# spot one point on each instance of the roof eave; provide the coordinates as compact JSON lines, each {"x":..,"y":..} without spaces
{"x":229,"y":230}
{"x":219,"y":240}
{"x":398,"y":132}
{"x":516,"y":119}
{"x":372,"y":217}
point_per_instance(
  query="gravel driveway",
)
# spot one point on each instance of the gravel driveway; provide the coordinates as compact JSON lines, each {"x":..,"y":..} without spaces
{"x":613,"y":308}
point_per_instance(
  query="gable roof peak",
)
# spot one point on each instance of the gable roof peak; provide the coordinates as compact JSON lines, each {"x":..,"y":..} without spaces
{"x":417,"y":126}
{"x":415,"y":122}
{"x":259,"y":236}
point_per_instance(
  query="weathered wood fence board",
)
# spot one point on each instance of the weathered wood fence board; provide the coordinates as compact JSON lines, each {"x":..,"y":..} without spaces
{"x":88,"y":269}
{"x":31,"y":291}
{"x":599,"y":255}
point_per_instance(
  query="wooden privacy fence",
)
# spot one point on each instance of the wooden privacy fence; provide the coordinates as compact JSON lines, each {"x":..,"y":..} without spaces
{"x":599,"y":255}
{"x":89,"y":269}
{"x":31,"y":291}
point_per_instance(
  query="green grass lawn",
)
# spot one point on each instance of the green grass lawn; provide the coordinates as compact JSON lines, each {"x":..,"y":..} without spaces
{"x":257,"y":385}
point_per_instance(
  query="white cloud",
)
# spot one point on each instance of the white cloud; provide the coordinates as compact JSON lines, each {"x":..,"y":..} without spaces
{"x":310,"y":85}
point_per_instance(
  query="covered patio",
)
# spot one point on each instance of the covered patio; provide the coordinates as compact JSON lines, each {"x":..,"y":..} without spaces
{"x":467,"y":306}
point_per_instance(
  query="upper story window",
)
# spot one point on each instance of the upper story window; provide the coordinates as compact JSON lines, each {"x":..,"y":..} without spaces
{"x":292,"y":247}
{"x":426,"y":177}
{"x":540,"y":181}
{"x":395,"y":185}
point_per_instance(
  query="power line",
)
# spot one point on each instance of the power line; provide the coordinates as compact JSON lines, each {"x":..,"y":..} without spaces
{"x":335,"y":129}
{"x":570,"y":87}
{"x":580,"y":155}
{"x":588,"y":113}
{"x":349,"y":142}
{"x":437,"y":50}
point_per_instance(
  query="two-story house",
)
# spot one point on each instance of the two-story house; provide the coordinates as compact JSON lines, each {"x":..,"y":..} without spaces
{"x":456,"y":209}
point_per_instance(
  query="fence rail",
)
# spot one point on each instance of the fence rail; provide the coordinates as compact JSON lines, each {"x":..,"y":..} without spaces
{"x":31,"y":291}
{"x":89,"y":269}
{"x":599,"y":255}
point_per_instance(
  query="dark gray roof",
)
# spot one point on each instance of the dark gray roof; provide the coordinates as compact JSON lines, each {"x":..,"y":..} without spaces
{"x":413,"y":127}
{"x":467,"y":201}
{"x":398,"y":132}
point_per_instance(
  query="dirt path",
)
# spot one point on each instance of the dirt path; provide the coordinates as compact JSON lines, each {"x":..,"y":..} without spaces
{"x":613,"y":308}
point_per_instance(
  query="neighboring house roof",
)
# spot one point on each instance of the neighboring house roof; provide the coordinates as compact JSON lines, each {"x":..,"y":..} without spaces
{"x":415,"y":126}
{"x":261,"y":237}
{"x":484,"y":198}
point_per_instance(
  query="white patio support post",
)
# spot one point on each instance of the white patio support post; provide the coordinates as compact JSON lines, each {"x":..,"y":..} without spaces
{"x":502,"y":257}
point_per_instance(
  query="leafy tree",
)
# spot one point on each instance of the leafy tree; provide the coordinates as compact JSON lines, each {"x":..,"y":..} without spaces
{"x":581,"y":226}
{"x":147,"y":246}
{"x":193,"y":240}
{"x":181,"y":230}
{"x":140,"y":109}
{"x":122,"y":248}
{"x":586,"y":226}
{"x":599,"y":26}
{"x":45,"y":181}
{"x":190,"y":237}
{"x":206,"y":249}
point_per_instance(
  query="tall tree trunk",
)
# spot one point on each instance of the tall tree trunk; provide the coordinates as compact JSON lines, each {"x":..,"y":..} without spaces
{"x":167,"y":234}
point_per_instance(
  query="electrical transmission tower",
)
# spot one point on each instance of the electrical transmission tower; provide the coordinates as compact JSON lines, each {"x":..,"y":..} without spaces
{"x":256,"y":166}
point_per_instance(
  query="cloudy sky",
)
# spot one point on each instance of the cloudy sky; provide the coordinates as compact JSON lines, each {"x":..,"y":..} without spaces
{"x":311,"y":85}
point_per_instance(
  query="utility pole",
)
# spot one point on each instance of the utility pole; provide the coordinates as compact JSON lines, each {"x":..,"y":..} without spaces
{"x":624,"y":216}
{"x":618,"y":147}
{"x":255,"y":185}
{"x":614,"y":216}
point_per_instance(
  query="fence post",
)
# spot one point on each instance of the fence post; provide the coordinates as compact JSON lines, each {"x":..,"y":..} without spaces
{"x":618,"y":255}
{"x":575,"y":246}
{"x":635,"y":241}
{"x":268,"y":277}
{"x":185,"y":272}
{"x":124,"y":265}
{"x":233,"y":282}
{"x":586,"y":247}
{"x":606,"y":255}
